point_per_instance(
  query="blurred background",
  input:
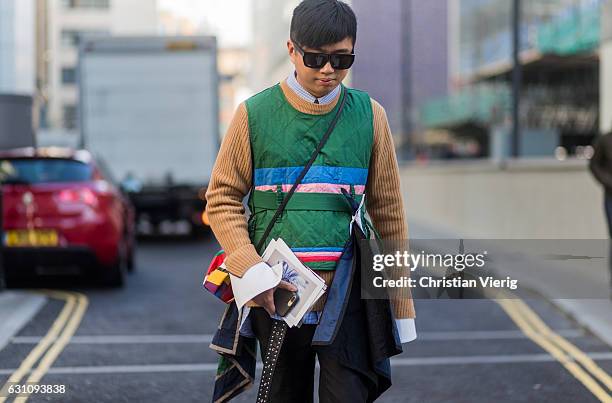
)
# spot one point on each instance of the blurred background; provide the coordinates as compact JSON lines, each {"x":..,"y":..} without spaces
{"x":453,"y":60}
{"x":494,"y":119}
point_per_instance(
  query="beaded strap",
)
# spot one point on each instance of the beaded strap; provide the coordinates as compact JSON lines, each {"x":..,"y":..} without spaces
{"x":277,"y":334}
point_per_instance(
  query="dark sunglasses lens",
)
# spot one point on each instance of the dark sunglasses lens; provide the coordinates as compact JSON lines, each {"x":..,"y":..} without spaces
{"x":315,"y":60}
{"x":337,"y":61}
{"x":342,"y":62}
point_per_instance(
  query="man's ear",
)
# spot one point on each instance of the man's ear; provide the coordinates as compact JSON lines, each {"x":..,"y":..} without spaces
{"x":290,"y":47}
{"x":291,"y":50}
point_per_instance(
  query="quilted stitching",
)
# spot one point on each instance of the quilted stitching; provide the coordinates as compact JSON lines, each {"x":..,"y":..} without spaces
{"x":282,"y":137}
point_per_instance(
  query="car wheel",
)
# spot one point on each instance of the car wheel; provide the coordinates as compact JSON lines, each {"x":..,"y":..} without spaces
{"x":131,"y":256}
{"x":131,"y":264}
{"x":200,"y":231}
{"x":115,"y":275}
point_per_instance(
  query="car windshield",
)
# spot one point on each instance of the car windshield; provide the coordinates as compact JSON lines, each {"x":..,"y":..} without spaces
{"x":43,"y":170}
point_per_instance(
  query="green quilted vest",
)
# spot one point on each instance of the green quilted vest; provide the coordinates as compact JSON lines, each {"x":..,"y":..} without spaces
{"x":315,"y":223}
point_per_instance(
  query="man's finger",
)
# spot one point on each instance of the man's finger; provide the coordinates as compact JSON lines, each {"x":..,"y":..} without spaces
{"x":287,"y":286}
{"x":270,"y":308}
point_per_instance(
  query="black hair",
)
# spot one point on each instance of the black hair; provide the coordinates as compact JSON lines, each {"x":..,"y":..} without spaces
{"x":317,"y":23}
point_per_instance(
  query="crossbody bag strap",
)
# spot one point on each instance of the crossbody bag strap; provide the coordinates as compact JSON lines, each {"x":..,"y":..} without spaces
{"x":299,"y":179}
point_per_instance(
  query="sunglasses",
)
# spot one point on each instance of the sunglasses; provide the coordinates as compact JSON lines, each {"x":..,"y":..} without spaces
{"x":338,"y":61}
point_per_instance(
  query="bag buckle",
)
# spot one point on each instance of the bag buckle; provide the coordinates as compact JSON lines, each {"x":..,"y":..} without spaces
{"x":279,"y":200}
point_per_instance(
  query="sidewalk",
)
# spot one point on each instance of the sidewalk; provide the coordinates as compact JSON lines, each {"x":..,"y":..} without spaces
{"x":17,"y":308}
{"x":575,"y":277}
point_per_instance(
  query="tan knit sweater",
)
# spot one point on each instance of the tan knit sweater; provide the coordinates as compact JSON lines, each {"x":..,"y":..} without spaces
{"x":231,"y":181}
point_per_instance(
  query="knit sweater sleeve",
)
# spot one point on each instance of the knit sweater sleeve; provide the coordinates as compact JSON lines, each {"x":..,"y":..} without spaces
{"x":229,"y":183}
{"x":384,"y":202}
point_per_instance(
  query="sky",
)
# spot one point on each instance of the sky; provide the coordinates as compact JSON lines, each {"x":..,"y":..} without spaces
{"x":229,"y":20}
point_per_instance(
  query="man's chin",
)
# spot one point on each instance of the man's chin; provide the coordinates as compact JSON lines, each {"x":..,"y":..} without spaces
{"x":321,"y":90}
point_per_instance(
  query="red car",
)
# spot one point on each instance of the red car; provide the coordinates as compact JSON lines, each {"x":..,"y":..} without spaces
{"x":61,"y":214}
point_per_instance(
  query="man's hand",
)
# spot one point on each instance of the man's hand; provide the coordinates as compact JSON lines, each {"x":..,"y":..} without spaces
{"x":266,"y":298}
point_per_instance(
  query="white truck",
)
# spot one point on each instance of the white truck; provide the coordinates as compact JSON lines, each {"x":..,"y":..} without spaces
{"x":148,"y":108}
{"x":16,"y":121}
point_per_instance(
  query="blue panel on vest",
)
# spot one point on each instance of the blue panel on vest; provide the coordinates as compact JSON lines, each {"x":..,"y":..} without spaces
{"x":316,"y":174}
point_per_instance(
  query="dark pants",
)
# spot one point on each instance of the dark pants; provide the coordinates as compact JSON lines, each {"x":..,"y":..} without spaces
{"x":294,"y":375}
{"x":608,"y":207}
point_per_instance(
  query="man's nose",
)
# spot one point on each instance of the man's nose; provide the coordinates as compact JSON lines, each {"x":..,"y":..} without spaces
{"x":327,"y":69}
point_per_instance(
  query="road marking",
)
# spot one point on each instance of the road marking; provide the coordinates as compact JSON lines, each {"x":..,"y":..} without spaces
{"x":126,"y":369}
{"x":488,"y":335}
{"x":486,"y":359}
{"x":23,"y":307}
{"x":53,"y":343}
{"x":395,"y":362}
{"x":128,"y":339}
{"x":38,"y":351}
{"x":62,"y":342}
{"x":580,"y":356}
{"x":563,"y":351}
{"x":207,"y":338}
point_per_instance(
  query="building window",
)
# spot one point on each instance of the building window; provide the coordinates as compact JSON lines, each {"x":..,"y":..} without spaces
{"x":68,"y":75}
{"x":70,"y":38}
{"x":86,"y":4}
{"x":70,"y":116}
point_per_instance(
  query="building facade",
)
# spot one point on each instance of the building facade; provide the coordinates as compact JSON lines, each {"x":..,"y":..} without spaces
{"x":67,"y":20}
{"x":559,"y":54}
{"x":271,"y":20}
{"x":234,"y":64}
{"x":17,"y":47}
{"x":402,"y":58}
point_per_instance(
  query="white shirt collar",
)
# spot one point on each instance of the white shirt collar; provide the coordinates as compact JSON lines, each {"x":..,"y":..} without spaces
{"x":293,"y":83}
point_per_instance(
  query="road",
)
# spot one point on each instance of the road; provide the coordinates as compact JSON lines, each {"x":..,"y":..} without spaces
{"x":148,"y":342}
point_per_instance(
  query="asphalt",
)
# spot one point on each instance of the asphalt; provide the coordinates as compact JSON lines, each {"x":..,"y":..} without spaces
{"x":148,"y":342}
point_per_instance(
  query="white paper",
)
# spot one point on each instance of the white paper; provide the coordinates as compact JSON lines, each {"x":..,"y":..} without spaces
{"x":256,"y":280}
{"x":310,"y":285}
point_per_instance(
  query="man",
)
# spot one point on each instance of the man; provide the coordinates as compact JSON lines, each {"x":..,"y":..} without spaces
{"x":601,"y":167}
{"x":269,"y":140}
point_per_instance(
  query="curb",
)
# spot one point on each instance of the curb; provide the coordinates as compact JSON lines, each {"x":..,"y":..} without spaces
{"x":17,"y":308}
{"x":585,"y":312}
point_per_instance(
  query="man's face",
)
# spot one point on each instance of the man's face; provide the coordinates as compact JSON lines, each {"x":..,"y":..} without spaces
{"x":319,"y":82}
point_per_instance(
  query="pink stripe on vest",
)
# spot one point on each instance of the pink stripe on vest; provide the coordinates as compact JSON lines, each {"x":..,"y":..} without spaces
{"x":314,"y":188}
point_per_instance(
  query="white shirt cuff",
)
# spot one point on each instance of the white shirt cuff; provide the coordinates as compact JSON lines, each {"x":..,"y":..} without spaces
{"x":255,"y":280}
{"x":406,"y":329}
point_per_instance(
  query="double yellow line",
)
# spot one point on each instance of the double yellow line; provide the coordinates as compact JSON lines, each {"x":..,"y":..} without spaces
{"x":562,"y":350}
{"x":53,"y":343}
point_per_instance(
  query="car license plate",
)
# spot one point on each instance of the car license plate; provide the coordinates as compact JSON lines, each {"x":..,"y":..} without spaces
{"x":17,"y":238}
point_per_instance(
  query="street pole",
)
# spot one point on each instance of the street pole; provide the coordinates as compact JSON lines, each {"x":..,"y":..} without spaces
{"x":516,"y":77}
